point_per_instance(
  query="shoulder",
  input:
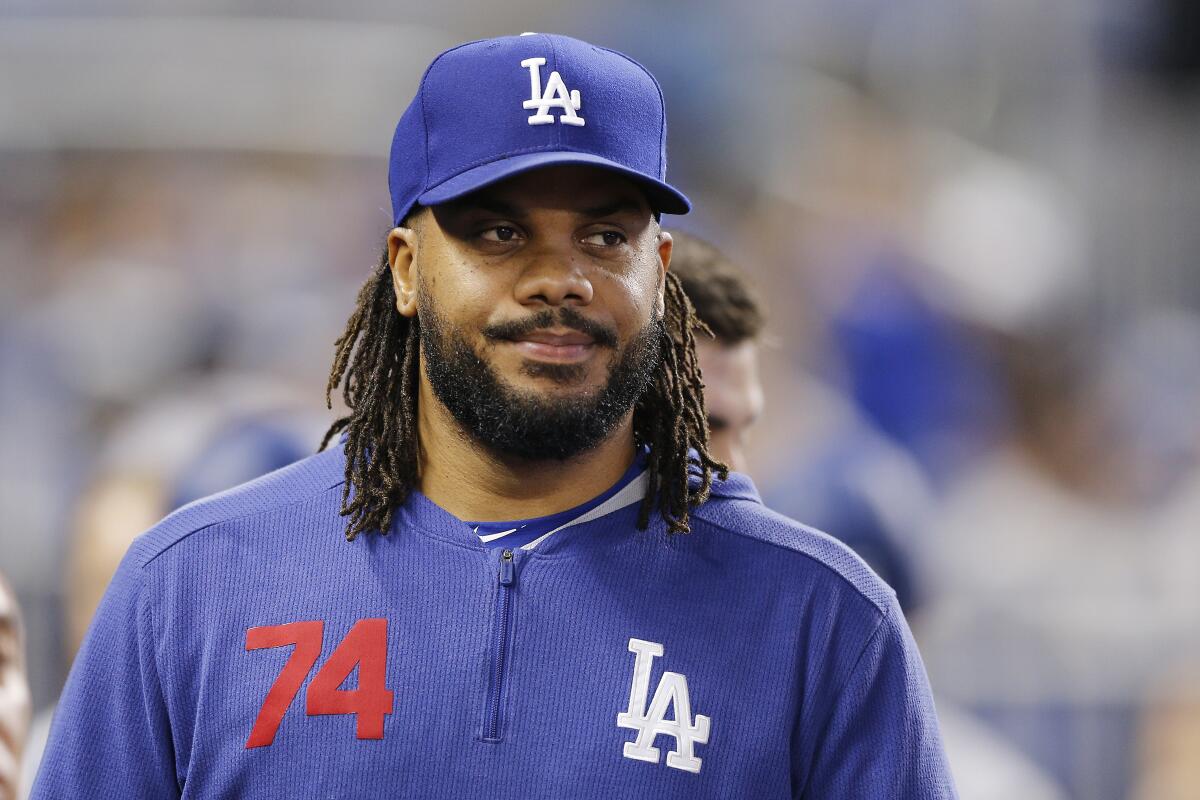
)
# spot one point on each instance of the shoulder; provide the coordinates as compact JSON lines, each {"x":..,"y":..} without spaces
{"x":735,"y":514}
{"x":306,"y":481}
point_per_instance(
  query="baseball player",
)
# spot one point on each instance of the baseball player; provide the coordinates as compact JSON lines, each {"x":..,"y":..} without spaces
{"x":733,"y":395}
{"x":517,"y":572}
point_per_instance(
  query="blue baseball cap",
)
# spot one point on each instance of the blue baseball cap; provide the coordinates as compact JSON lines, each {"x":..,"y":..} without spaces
{"x":495,"y":108}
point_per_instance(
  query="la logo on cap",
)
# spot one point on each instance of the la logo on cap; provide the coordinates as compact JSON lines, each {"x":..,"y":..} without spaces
{"x":555,"y":96}
{"x":466,"y":127}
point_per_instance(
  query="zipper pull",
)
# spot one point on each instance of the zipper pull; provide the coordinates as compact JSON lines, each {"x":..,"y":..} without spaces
{"x":506,"y":568}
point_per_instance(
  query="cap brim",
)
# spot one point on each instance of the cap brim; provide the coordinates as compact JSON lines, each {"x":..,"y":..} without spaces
{"x":662,"y":196}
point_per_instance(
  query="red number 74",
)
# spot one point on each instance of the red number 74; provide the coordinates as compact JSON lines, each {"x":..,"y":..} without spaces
{"x":364,"y":647}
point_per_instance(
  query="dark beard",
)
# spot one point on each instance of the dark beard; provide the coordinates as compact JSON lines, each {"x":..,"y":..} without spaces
{"x":526,"y":425}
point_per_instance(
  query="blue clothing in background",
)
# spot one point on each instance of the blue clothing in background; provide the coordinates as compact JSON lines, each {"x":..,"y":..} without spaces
{"x":246,"y":649}
{"x":916,"y":374}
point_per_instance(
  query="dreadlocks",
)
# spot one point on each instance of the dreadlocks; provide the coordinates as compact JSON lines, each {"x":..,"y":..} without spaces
{"x":377,"y":358}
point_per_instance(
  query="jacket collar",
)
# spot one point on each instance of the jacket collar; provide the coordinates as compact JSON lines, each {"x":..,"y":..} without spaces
{"x":424,"y":515}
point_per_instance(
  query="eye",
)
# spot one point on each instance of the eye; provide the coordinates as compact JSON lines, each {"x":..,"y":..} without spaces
{"x":500,"y":233}
{"x":605,"y":238}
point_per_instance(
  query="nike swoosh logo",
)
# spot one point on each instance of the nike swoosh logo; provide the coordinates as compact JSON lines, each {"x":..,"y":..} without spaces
{"x":487,"y":537}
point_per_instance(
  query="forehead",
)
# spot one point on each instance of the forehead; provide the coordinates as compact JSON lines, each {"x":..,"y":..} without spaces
{"x":578,"y":189}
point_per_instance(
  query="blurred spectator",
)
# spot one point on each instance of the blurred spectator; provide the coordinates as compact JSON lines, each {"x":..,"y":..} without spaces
{"x":729,"y":361}
{"x":914,"y":373}
{"x":15,"y":702}
{"x":111,"y":513}
{"x":187,"y":443}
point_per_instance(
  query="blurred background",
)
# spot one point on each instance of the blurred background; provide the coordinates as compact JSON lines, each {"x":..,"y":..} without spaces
{"x":975,"y":223}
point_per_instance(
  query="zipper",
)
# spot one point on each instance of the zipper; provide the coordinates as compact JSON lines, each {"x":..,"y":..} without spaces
{"x":499,"y":654}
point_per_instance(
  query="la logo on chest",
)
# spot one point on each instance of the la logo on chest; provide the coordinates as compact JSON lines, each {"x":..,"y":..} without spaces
{"x":671,"y":694}
{"x":555,"y":95}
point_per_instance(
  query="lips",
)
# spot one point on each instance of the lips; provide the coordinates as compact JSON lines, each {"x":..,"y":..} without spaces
{"x":565,"y":339}
{"x":550,"y":345}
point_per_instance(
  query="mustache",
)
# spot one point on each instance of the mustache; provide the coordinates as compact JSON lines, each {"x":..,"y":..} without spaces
{"x":565,"y":317}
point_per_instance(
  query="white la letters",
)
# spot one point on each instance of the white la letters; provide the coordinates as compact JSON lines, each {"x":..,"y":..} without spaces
{"x":672,"y":691}
{"x":555,"y":96}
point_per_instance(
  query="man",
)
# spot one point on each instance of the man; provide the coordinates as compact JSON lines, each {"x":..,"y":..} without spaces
{"x":534,"y":600}
{"x":728,"y":359}
{"x":15,"y":700}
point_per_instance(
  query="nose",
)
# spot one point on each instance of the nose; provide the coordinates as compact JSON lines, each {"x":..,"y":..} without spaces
{"x":554,"y":278}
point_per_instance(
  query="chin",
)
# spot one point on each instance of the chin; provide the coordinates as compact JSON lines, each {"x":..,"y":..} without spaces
{"x":541,"y":373}
{"x":551,"y":389}
{"x":551,"y":396}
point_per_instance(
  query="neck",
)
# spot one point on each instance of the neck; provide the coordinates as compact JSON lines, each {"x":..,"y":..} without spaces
{"x":473,"y":483}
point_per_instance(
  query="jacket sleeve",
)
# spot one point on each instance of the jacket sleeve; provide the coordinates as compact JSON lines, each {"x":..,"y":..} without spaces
{"x":881,"y":738}
{"x":111,"y":736}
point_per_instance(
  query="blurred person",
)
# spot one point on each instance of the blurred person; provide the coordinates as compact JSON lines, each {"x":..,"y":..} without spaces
{"x":733,"y":394}
{"x":110,"y":515}
{"x":125,"y":501}
{"x":15,"y":700}
{"x":914,"y":372}
{"x":188,"y":441}
{"x":519,"y":517}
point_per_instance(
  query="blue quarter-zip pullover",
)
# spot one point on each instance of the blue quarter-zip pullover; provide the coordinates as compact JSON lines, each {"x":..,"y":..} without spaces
{"x":246,"y":649}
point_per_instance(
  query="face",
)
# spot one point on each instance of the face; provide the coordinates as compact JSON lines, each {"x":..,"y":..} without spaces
{"x":15,"y":704}
{"x":733,"y":396}
{"x":540,"y":302}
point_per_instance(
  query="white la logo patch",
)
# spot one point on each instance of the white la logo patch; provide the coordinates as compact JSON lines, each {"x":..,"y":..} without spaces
{"x":555,"y":96}
{"x":672,"y":691}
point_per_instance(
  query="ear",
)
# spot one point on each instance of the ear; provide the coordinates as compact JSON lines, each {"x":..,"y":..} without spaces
{"x":665,"y":247}
{"x":402,"y":249}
